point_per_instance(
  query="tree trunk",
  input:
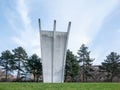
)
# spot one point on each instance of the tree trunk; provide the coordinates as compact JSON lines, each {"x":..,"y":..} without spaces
{"x":65,"y":75}
{"x":83,"y":70}
{"x":85,"y":78}
{"x":6,"y":75}
{"x":34,"y":77}
{"x":37,"y":78}
{"x":6,"y":72}
{"x":18,"y":73}
{"x":111,"y":79}
{"x":83,"y":73}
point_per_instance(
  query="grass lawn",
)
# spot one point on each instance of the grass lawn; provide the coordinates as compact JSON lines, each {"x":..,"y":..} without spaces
{"x":59,"y":86}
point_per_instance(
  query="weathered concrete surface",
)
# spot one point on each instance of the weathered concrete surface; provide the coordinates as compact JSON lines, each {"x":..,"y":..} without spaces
{"x":46,"y":46}
{"x":53,"y":45}
{"x":53,"y":53}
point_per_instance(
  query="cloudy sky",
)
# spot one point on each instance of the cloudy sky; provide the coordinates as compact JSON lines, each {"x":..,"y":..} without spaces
{"x":95,"y":23}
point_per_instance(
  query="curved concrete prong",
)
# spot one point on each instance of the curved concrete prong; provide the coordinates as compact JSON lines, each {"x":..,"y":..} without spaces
{"x":39,"y":22}
{"x":69,"y":26}
{"x":54,"y":27}
{"x":65,"y":51}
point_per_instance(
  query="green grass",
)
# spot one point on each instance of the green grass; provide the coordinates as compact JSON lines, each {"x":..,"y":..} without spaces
{"x":59,"y":86}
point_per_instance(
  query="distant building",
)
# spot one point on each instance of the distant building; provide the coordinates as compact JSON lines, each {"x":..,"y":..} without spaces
{"x":2,"y":76}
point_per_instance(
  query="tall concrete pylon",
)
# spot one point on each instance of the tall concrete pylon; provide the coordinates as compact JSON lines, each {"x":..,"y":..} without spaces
{"x":53,"y":53}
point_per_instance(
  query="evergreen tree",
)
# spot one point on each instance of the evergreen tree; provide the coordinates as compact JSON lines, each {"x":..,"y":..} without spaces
{"x":6,"y":61}
{"x":111,"y":65}
{"x":34,"y":66}
{"x":85,"y":62}
{"x":20,"y":56}
{"x":72,"y":66}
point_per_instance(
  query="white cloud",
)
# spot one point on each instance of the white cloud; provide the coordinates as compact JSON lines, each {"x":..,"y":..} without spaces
{"x":87,"y":18}
{"x":28,"y":37}
{"x":23,"y":12}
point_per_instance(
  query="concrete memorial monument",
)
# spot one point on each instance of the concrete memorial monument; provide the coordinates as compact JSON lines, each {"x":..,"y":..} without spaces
{"x":53,"y":53}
